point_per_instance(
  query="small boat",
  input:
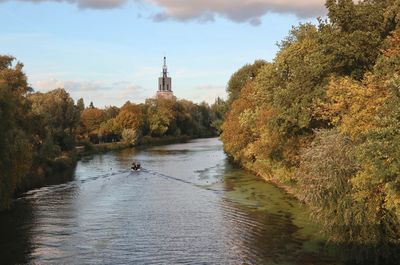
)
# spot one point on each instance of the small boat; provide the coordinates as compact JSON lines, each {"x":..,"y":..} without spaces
{"x":135,"y":166}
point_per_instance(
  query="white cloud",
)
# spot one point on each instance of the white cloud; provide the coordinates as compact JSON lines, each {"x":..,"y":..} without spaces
{"x":236,"y":10}
{"x":117,"y":93}
{"x":101,"y":94}
{"x":207,"y":93}
{"x":249,"y":11}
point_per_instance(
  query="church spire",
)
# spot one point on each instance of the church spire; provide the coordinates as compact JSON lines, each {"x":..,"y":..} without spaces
{"x":164,"y":83}
{"x":165,"y":70}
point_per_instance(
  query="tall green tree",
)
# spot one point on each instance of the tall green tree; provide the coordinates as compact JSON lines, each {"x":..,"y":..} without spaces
{"x":59,"y":115}
{"x":15,"y":123}
{"x":240,"y":78}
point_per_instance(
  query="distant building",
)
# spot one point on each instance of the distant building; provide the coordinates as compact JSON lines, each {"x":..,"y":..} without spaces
{"x":165,"y":84}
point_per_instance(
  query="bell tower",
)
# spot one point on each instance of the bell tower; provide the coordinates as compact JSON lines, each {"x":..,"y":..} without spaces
{"x":164,"y":83}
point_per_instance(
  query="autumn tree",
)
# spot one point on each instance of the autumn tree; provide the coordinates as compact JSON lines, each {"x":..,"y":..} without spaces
{"x":160,"y":115}
{"x":16,"y":148}
{"x":59,"y":116}
{"x":324,"y":113}
{"x":359,"y":201}
{"x":354,"y":33}
{"x":91,"y":119}
{"x":240,"y":78}
{"x":235,"y":136}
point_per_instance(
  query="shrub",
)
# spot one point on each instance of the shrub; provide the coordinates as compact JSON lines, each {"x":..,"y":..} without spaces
{"x":131,"y":136}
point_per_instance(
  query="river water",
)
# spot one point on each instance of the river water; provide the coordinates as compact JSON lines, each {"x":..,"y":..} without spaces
{"x":187,"y":206}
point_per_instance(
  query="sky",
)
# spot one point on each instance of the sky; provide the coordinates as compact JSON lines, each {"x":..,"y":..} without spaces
{"x":111,"y":51}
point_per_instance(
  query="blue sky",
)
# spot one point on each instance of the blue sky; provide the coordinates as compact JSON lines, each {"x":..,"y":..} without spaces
{"x":110,"y":51}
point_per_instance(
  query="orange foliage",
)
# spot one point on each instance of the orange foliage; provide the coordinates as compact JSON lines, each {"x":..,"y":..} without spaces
{"x":91,"y":119}
{"x":393,"y":43}
{"x":234,"y":136}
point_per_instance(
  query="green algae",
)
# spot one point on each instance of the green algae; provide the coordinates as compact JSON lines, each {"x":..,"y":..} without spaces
{"x":260,"y":197}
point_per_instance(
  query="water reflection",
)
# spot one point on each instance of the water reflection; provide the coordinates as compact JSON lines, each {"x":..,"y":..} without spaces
{"x":15,"y":239}
{"x":188,"y":206}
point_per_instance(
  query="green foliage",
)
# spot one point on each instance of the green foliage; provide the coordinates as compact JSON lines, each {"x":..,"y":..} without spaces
{"x":109,"y":127}
{"x":35,"y":129}
{"x":324,"y":175}
{"x":157,"y":117}
{"x":39,"y":130}
{"x":16,"y":152}
{"x":160,"y":115}
{"x":131,"y":136}
{"x":178,"y":117}
{"x":80,"y":105}
{"x":218,"y":110}
{"x":355,"y":32}
{"x":240,"y":78}
{"x":301,"y":74}
{"x":325,"y":114}
{"x":49,"y":150}
{"x":58,"y":114}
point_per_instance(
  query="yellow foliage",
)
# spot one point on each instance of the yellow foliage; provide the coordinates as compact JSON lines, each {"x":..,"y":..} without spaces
{"x":353,"y":106}
{"x":235,"y":135}
{"x":393,"y":45}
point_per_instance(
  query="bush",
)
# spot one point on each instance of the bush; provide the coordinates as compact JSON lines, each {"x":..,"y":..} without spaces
{"x":131,"y":136}
{"x":326,"y":169}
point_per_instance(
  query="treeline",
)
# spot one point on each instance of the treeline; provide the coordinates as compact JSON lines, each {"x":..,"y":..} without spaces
{"x":324,"y":117}
{"x":157,"y":117}
{"x":39,"y":131}
{"x":36,"y":132}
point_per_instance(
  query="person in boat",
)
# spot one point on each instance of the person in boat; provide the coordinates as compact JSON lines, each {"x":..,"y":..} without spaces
{"x":135,"y":165}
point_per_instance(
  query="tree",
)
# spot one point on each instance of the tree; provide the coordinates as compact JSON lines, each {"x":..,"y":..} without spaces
{"x":160,"y":115}
{"x":327,"y":108}
{"x":235,"y":136}
{"x":218,"y":109}
{"x":127,"y":120}
{"x":80,"y":105}
{"x":300,"y":79}
{"x":355,"y":32}
{"x":16,"y":148}
{"x":91,"y":119}
{"x":110,"y":112}
{"x":131,"y":136}
{"x":354,"y":190}
{"x":240,"y":78}
{"x":59,"y":115}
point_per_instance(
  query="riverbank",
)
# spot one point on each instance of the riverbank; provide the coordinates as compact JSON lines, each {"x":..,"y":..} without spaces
{"x":148,"y":141}
{"x":49,"y":172}
{"x":193,"y":193}
{"x":60,"y":169}
{"x":279,"y":178}
{"x":288,"y":186}
{"x":90,"y":149}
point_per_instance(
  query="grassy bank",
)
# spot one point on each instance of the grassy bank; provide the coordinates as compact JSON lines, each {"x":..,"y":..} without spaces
{"x":279,"y":177}
{"x":148,"y":140}
{"x":87,"y":148}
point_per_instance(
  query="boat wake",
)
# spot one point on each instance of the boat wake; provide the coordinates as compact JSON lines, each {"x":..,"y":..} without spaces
{"x":60,"y":187}
{"x":161,"y":175}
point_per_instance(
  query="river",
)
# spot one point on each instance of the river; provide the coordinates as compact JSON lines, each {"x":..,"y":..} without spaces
{"x":187,"y":206}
